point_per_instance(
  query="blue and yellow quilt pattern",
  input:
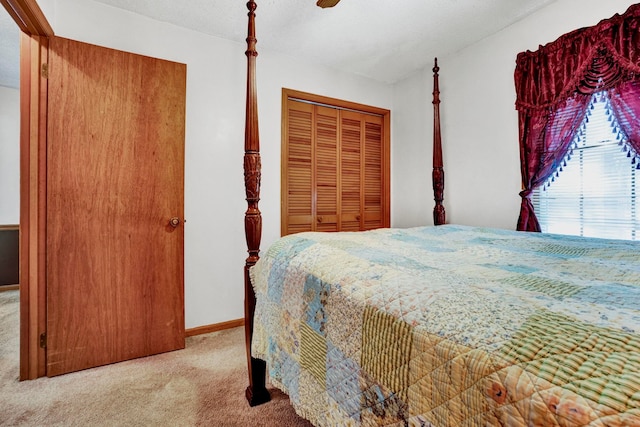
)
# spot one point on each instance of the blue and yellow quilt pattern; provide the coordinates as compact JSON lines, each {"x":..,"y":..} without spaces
{"x":452,"y":326}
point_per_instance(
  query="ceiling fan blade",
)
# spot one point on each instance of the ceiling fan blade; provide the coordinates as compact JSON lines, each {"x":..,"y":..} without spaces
{"x":327,"y":3}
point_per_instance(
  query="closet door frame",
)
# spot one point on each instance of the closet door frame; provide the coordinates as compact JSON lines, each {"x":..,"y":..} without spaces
{"x":291,"y":94}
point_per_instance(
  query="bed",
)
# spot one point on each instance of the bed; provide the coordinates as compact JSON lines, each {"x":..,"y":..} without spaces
{"x":451,"y":325}
{"x":444,"y":325}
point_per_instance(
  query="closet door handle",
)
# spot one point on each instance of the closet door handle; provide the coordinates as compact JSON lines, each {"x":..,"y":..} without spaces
{"x":174,"y":222}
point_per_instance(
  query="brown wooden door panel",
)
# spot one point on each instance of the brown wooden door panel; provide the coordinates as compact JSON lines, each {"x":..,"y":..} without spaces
{"x":297,"y":154}
{"x":373,"y":182}
{"x":351,"y":136}
{"x":326,"y":169}
{"x":115,"y":176}
{"x":300,"y":220}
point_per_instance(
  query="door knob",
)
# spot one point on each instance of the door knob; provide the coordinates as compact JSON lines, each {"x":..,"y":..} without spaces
{"x":174,"y":222}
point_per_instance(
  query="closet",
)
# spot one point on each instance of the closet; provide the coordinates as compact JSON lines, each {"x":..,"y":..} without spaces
{"x":335,"y":165}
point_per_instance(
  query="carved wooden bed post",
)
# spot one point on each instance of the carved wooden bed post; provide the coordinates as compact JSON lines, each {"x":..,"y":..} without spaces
{"x":257,"y":392}
{"x":438,"y":171}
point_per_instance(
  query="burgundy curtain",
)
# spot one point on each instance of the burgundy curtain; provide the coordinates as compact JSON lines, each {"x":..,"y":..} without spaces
{"x":625,"y":102}
{"x":554,"y":86}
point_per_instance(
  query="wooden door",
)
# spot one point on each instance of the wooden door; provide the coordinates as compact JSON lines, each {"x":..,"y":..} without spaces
{"x":362,"y":172}
{"x":115,"y":178}
{"x":326,"y":169}
{"x":298,"y":181}
{"x":373,"y":172}
{"x":351,"y":170}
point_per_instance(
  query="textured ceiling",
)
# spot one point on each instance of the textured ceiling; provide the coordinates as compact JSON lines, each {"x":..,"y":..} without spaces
{"x":385,"y":40}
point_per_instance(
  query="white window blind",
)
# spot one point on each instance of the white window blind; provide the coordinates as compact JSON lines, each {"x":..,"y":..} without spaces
{"x":594,"y":192}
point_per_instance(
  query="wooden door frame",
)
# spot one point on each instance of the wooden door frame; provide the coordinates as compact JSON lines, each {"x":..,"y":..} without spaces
{"x":33,"y":125}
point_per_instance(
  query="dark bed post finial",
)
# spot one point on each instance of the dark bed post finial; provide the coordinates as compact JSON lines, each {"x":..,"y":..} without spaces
{"x":256,"y":392}
{"x":437,"y":176}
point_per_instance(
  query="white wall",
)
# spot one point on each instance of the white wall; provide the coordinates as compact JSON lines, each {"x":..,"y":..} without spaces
{"x":215,"y":247}
{"x":479,"y":120}
{"x":9,"y":155}
{"x":412,"y":151}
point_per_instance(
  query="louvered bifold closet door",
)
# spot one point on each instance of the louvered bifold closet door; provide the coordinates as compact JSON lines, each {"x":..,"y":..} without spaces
{"x":335,"y":167}
{"x":299,"y":183}
{"x":351,"y":194}
{"x":373,"y":183}
{"x":326,"y":168}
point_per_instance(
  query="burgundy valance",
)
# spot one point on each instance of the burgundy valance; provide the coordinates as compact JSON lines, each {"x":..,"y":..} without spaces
{"x":584,"y":61}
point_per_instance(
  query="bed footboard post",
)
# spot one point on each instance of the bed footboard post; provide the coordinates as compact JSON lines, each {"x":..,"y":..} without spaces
{"x":256,"y":392}
{"x":438,"y":170}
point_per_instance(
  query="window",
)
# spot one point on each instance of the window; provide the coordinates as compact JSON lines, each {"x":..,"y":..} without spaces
{"x":594,"y":191}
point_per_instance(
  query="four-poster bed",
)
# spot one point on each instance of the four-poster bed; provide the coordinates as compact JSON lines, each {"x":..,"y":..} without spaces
{"x":447,"y":325}
{"x":256,"y":392}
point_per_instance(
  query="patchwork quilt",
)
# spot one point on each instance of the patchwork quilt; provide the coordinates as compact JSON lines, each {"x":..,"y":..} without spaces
{"x":452,"y":326}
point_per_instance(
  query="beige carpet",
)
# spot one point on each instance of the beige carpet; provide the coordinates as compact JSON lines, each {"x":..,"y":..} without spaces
{"x":202,"y":385}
